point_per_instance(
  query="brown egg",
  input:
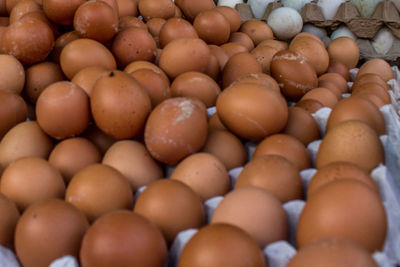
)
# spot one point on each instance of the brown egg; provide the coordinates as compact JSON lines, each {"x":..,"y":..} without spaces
{"x":156,"y":85}
{"x":232,"y":15}
{"x":3,"y":8}
{"x":82,"y":53}
{"x":8,"y":221}
{"x":213,"y":69}
{"x":198,"y":85}
{"x":87,"y":77}
{"x":344,"y":208}
{"x":96,"y":20}
{"x":73,"y":154}
{"x":26,"y":173}
{"x":191,"y":8}
{"x":156,"y":9}
{"x":373,"y":88}
{"x":49,"y":230}
{"x":60,"y":43}
{"x":310,"y":105}
{"x":378,"y":66}
{"x":220,"y":55}
{"x":373,"y":98}
{"x":99,"y":138}
{"x":339,"y":170}
{"x":27,"y":48}
{"x":129,"y":239}
{"x":264,"y":55}
{"x":339,"y":68}
{"x":39,"y":76}
{"x":119,"y":105}
{"x":307,"y":35}
{"x":214,"y":123}
{"x":239,"y":65}
{"x":256,"y":211}
{"x":332,"y":87}
{"x":257,"y":30}
{"x":127,"y":8}
{"x":62,"y":110}
{"x":12,"y":111}
{"x":172,"y":206}
{"x":225,"y":245}
{"x":261,"y":79}
{"x":243,"y":110}
{"x":133,"y":160}
{"x":154,"y":27}
{"x":176,"y":128}
{"x":352,"y":141}
{"x":99,"y":189}
{"x":175,"y":28}
{"x":332,"y":252}
{"x":204,"y":173}
{"x":362,"y":79}
{"x":141,"y":64}
{"x":302,"y":125}
{"x":313,"y":50}
{"x":228,"y":148}
{"x":133,"y":44}
{"x":212,"y":27}
{"x":21,"y":8}
{"x":323,"y":95}
{"x":131,"y":21}
{"x":232,"y":48}
{"x":243,"y":39}
{"x":287,"y":146}
{"x":273,"y":173}
{"x":337,"y":79}
{"x":293,"y":73}
{"x":12,"y":74}
{"x":174,"y":56}
{"x":40,"y":15}
{"x":61,"y":12}
{"x":278,"y":45}
{"x":344,"y":50}
{"x":24,"y":139}
{"x":357,"y":109}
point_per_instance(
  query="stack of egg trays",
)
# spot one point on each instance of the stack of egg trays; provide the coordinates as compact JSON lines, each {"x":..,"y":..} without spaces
{"x":385,"y":14}
{"x":387,"y":178}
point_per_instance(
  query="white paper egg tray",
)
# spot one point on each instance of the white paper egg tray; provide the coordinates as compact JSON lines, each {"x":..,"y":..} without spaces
{"x":277,"y":254}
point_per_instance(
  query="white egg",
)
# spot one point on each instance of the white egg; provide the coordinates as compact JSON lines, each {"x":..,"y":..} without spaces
{"x":383,"y":41}
{"x":285,"y":22}
{"x":296,"y":4}
{"x":230,"y":3}
{"x":343,"y":31}
{"x":258,"y":7}
{"x":366,"y":7}
{"x":329,"y":7}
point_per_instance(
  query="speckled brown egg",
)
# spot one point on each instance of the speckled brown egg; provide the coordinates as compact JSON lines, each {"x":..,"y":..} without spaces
{"x":176,"y":128}
{"x":257,"y":30}
{"x":287,"y":146}
{"x":73,"y":154}
{"x":62,"y":110}
{"x":119,"y":105}
{"x":26,"y":173}
{"x":293,"y":73}
{"x":133,"y":160}
{"x":172,"y":206}
{"x":243,"y":110}
{"x":49,"y":230}
{"x":174,"y":57}
{"x":99,"y":189}
{"x":275,"y":174}
{"x":264,"y":55}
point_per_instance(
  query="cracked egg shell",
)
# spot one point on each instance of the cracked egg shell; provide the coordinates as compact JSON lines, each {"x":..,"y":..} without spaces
{"x":293,"y":73}
{"x":176,"y":128}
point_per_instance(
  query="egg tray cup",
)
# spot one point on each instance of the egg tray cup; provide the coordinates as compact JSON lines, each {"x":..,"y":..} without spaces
{"x":385,"y":14}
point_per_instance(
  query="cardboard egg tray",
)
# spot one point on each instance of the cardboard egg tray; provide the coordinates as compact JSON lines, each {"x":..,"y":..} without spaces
{"x":386,"y":14}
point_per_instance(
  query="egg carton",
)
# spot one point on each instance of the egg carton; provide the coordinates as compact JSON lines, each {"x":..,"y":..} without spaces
{"x":278,"y":254}
{"x":385,"y":15}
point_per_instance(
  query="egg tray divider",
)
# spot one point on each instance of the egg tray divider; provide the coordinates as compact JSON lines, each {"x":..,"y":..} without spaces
{"x":385,"y":14}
